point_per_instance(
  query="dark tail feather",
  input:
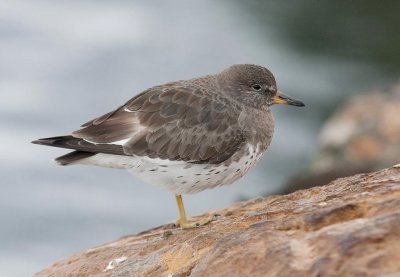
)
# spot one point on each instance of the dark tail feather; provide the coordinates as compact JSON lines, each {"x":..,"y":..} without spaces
{"x":73,"y":157}
{"x":79,"y":144}
{"x":54,"y":141}
{"x":66,"y":142}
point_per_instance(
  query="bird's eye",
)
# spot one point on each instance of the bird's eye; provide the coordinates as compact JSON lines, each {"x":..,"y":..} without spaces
{"x":256,"y":87}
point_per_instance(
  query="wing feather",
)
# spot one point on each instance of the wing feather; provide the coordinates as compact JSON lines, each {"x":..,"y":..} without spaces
{"x":173,"y":122}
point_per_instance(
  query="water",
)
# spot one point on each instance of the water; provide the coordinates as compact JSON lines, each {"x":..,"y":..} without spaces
{"x":65,"y":62}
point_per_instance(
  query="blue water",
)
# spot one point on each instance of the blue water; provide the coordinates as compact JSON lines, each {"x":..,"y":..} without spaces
{"x":65,"y":62}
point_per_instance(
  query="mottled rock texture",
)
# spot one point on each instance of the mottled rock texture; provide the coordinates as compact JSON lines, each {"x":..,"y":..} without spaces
{"x":350,"y":227}
{"x":363,"y":135}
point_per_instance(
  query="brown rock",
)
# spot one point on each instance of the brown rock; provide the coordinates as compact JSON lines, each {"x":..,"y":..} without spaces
{"x":349,"y":227}
{"x":363,"y":135}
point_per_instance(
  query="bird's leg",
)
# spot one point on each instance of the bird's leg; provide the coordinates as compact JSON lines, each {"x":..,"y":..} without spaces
{"x":183,"y":222}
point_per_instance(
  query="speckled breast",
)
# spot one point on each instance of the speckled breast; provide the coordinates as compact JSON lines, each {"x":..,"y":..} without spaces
{"x":185,"y":178}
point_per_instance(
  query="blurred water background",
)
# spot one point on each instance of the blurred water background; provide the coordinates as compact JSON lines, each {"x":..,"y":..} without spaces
{"x":65,"y":62}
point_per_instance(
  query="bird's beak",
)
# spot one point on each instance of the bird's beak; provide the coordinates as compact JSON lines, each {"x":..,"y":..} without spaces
{"x":281,"y":98}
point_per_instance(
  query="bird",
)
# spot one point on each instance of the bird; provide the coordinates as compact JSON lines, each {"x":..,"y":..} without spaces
{"x":184,"y":136}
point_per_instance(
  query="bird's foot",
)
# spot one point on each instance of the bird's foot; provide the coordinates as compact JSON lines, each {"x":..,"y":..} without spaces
{"x":193,"y":224}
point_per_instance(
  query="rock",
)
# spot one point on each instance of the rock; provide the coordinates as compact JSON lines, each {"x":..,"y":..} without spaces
{"x":363,"y":135}
{"x":349,"y":227}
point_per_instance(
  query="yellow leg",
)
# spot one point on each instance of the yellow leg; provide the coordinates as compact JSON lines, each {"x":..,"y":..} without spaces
{"x":183,"y":222}
{"x":181,"y":210}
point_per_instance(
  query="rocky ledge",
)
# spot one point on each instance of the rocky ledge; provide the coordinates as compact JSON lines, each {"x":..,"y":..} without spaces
{"x":350,"y":227}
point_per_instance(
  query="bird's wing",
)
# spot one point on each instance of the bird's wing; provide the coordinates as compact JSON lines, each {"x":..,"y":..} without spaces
{"x":171,"y":122}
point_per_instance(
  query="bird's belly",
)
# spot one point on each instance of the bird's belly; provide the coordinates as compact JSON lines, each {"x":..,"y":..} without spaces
{"x":185,"y":178}
{"x":181,"y":177}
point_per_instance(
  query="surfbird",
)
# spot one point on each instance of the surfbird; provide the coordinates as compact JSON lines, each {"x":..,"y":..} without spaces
{"x":184,"y":136}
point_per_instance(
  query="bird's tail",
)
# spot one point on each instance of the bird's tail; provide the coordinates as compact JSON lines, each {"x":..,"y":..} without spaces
{"x":65,"y":142}
{"x":60,"y":141}
{"x":73,"y":157}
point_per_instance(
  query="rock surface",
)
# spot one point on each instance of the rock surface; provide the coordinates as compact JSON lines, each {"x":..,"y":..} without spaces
{"x":350,"y":227}
{"x":363,"y":135}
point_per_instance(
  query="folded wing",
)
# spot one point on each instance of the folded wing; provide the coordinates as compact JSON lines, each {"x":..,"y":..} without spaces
{"x":172,"y":122}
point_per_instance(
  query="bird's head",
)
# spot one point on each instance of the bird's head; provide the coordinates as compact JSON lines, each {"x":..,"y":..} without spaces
{"x":253,"y":85}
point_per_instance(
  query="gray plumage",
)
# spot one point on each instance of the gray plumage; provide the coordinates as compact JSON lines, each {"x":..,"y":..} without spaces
{"x":206,"y":120}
